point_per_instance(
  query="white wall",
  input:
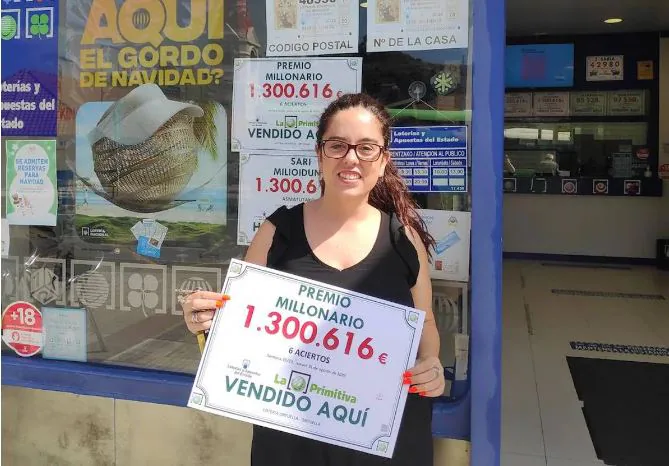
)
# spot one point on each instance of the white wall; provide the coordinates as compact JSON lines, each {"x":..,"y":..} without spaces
{"x":583,"y":225}
{"x":590,"y":225}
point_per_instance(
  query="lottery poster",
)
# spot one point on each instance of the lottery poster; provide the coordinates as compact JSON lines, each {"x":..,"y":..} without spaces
{"x":394,"y":25}
{"x":267,"y":182}
{"x":277,"y":103}
{"x":451,"y":231}
{"x":32,"y":194}
{"x":312,"y":27}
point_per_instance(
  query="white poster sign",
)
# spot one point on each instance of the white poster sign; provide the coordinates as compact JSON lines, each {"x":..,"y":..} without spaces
{"x":65,"y":334}
{"x":267,"y":182}
{"x":451,"y":230}
{"x":630,"y":103}
{"x":518,"y":104}
{"x":604,"y":68}
{"x":277,"y":102}
{"x":308,"y":358}
{"x":312,"y":27}
{"x":588,"y":103}
{"x":394,"y":25}
{"x":550,"y":104}
{"x":31,"y":183}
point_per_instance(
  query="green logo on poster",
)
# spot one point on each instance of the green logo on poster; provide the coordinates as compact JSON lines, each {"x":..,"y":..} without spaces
{"x":8,"y":27}
{"x":40,"y":24}
{"x":298,"y":383}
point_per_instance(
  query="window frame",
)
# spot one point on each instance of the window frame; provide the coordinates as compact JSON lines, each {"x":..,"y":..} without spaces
{"x":477,"y":415}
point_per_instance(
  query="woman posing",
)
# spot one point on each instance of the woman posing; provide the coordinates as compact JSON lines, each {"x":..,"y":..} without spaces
{"x":346,"y":239}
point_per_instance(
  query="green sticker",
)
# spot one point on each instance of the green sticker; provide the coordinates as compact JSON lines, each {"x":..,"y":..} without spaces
{"x":9,"y":27}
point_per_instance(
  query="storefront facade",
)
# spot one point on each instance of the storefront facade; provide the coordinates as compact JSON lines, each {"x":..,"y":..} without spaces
{"x":159,"y":134}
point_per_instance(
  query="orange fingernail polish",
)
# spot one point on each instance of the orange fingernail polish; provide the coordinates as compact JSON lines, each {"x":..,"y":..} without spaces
{"x":407,"y":374}
{"x":413,"y":389}
{"x":219,"y":303}
{"x":225,"y":297}
{"x":407,"y":380}
{"x":423,"y":393}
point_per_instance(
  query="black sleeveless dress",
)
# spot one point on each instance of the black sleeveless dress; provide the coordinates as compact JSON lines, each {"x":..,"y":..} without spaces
{"x":386,"y":274}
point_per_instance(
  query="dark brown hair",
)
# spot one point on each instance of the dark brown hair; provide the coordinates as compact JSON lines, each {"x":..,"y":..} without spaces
{"x":390,"y":194}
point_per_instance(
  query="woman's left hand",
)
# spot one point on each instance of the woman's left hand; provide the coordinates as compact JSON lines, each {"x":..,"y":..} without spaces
{"x":426,"y":377}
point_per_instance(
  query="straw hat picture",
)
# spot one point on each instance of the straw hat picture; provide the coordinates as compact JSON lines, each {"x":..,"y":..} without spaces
{"x":145,"y":150}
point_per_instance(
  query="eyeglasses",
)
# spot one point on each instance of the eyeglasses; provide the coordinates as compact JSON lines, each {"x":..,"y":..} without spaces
{"x":365,"y":151}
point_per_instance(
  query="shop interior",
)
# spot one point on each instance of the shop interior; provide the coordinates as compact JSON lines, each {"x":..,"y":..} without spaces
{"x":586,"y":147}
{"x":585,"y":208}
{"x":581,"y":100}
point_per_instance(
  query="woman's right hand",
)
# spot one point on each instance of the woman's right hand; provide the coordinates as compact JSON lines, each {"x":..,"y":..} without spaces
{"x":199,"y":308}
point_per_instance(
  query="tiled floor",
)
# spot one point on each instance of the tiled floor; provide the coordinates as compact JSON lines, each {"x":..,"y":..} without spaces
{"x":542,"y":421}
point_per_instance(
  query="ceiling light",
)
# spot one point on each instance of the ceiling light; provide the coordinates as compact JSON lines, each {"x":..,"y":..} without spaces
{"x":613,"y":20}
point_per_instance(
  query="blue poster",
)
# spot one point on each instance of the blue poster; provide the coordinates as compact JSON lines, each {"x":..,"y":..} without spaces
{"x":431,"y":158}
{"x":539,"y":65}
{"x":29,"y":67}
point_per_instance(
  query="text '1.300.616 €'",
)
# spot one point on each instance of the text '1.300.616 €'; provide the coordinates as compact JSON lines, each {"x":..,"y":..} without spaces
{"x":308,"y":358}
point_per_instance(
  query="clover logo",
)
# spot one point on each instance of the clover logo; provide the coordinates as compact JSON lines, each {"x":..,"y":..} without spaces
{"x":143,"y":292}
{"x":40,"y":24}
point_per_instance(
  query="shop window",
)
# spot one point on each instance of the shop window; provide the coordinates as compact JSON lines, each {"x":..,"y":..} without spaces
{"x":591,"y":149}
{"x":135,"y":225}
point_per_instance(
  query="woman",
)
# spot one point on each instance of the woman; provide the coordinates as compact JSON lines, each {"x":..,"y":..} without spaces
{"x":345,"y":239}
